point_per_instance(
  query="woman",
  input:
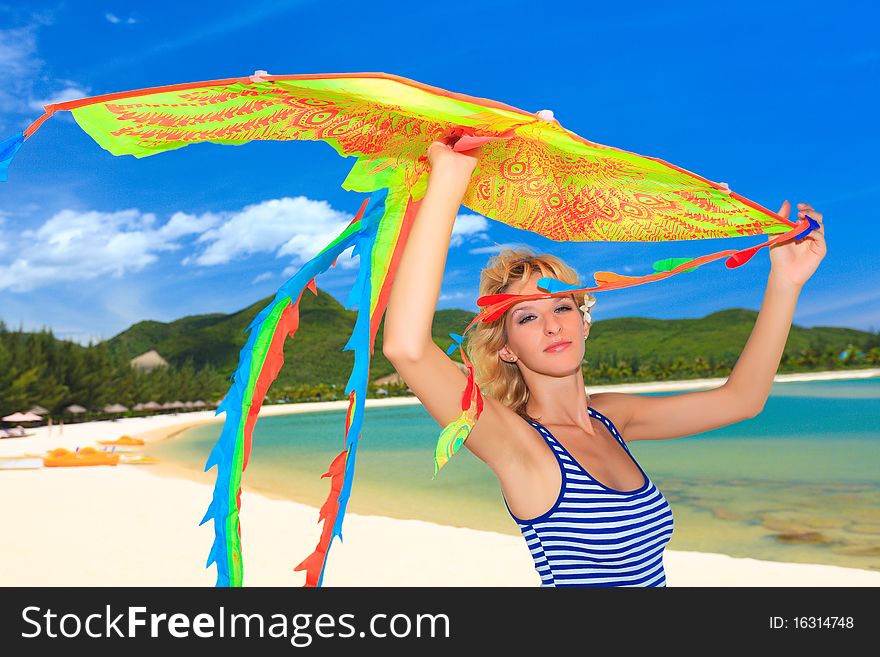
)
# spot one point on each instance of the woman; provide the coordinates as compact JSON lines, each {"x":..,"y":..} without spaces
{"x":590,"y":515}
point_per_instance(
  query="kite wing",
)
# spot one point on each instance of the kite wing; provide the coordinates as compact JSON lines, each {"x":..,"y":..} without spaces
{"x":533,"y":174}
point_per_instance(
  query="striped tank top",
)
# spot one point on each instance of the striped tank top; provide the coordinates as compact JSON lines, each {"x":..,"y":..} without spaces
{"x":598,"y":536}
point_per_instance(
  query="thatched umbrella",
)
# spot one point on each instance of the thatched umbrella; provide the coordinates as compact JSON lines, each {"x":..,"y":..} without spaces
{"x":137,"y":407}
{"x":74,"y":408}
{"x":38,"y":410}
{"x":115,"y":408}
{"x":152,"y":406}
{"x":198,"y":403}
{"x":22,"y":417}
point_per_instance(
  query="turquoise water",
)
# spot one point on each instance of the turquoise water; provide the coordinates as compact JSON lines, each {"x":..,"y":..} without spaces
{"x":800,"y":482}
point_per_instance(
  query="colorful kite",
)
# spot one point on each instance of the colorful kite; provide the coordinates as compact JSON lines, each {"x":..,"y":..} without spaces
{"x":533,"y":174}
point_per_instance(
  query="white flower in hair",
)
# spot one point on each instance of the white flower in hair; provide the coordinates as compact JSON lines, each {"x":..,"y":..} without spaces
{"x":589,"y":300}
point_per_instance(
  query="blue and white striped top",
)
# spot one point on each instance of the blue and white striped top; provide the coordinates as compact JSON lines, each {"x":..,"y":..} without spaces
{"x":598,"y":536}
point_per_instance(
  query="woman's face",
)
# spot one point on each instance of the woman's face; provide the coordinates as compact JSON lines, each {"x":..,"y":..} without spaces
{"x":544,"y":335}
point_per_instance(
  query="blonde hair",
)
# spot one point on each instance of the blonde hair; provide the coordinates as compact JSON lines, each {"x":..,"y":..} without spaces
{"x":499,"y":379}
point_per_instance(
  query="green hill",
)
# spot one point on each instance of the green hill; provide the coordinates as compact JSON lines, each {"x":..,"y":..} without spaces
{"x":719,"y":334}
{"x":314,"y":356}
{"x":203,"y":351}
{"x":621,"y":344}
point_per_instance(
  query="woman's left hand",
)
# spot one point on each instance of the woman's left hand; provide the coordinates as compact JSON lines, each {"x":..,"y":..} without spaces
{"x":796,"y":260}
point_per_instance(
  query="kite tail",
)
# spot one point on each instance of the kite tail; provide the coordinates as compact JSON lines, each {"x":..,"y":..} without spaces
{"x":8,"y":148}
{"x":259,"y":362}
{"x":380,"y":247}
{"x":456,"y":432}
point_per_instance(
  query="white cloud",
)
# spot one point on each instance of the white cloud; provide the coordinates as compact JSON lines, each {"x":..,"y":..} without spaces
{"x":182,"y":224}
{"x":81,"y":246}
{"x":113,"y":18}
{"x":18,"y":48}
{"x":19,"y":62}
{"x":496,"y":248}
{"x":468,"y":227}
{"x":68,"y":93}
{"x":458,"y":296}
{"x":830,"y":304}
{"x":265,"y":276}
{"x":26,"y":76}
{"x":301,"y":227}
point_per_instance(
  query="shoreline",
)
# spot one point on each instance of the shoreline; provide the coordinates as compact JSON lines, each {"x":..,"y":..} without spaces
{"x":71,"y":507}
{"x":153,"y":428}
{"x":647,"y":386}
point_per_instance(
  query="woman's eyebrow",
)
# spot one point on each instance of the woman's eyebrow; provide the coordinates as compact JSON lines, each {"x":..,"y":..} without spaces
{"x":522,"y":309}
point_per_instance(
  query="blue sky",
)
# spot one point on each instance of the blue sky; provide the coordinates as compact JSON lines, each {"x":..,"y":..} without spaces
{"x":778,"y":99}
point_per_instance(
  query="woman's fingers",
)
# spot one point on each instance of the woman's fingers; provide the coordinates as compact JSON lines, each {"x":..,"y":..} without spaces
{"x":806,"y":209}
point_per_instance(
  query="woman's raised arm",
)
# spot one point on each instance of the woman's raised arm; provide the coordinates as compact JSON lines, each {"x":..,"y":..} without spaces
{"x":416,"y":287}
{"x":499,"y":436}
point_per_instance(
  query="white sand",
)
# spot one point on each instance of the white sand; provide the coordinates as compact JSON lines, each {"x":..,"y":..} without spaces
{"x":128,"y":526}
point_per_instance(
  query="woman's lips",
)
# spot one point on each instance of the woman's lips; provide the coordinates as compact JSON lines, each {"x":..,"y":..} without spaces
{"x":557,"y":346}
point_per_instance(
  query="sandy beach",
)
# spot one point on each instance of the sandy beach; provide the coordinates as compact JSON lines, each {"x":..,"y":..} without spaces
{"x":130,"y":526}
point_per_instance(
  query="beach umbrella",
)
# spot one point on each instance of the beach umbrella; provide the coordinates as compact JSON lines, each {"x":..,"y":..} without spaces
{"x":199,"y":404}
{"x":167,"y":405}
{"x":22,"y":417}
{"x":533,"y":174}
{"x":115,"y":408}
{"x":152,"y":406}
{"x":74,"y":408}
{"x":138,"y":407}
{"x":38,"y":410}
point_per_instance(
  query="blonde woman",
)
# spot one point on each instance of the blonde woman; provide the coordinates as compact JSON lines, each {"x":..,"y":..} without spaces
{"x":589,"y":513}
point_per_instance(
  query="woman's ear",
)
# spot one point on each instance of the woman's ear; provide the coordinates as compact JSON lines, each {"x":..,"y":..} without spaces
{"x":506,"y":355}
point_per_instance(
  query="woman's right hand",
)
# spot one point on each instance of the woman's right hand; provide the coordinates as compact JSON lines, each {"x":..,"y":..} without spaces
{"x":442,"y":156}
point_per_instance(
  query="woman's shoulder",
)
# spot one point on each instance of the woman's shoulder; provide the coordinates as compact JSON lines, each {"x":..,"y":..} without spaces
{"x":616,"y":406}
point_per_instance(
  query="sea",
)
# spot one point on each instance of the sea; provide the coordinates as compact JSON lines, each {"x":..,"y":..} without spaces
{"x":798,"y":483}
